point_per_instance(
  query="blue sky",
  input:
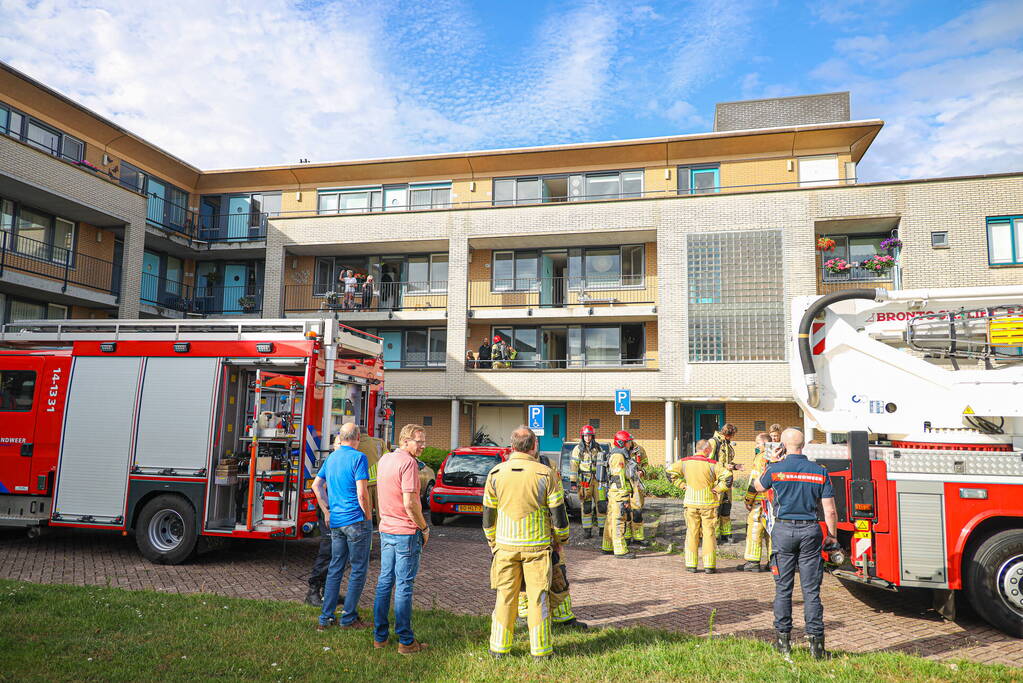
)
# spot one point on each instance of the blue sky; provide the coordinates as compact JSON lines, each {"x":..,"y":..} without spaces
{"x":235,"y":83}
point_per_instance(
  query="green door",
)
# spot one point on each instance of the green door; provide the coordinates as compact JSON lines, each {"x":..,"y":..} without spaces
{"x":706,"y":422}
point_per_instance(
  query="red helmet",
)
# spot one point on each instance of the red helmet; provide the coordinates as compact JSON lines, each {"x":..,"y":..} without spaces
{"x":497,"y":339}
{"x":621,"y":438}
{"x":587,"y":430}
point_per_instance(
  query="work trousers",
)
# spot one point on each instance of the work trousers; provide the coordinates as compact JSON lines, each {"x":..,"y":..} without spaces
{"x":617,"y":523}
{"x":594,"y":501}
{"x":634,"y":531}
{"x":508,"y":570}
{"x":797,"y":545}
{"x":756,"y":534}
{"x":561,"y":602}
{"x":725,"y":515}
{"x":701,"y":524}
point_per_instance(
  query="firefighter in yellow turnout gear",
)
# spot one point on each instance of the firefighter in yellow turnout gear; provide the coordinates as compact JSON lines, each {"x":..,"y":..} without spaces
{"x":592,"y":494}
{"x":757,"y":535}
{"x":722,"y":451}
{"x":705,"y":482}
{"x":635,"y":529}
{"x":524,"y":514}
{"x":619,"y":496}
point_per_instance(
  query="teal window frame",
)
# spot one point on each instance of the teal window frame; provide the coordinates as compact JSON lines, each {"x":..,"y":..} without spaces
{"x":1015,"y":224}
{"x":685,"y":178}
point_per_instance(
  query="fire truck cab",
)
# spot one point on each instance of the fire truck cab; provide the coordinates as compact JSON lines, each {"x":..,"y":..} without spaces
{"x":925,"y":389}
{"x":181,"y":432}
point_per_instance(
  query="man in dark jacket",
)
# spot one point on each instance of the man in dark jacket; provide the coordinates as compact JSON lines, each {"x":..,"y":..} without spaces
{"x":484,"y":357}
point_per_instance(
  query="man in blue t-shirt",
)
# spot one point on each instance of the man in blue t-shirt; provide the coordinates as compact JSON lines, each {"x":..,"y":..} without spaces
{"x":342,"y":491}
{"x":798,"y":486}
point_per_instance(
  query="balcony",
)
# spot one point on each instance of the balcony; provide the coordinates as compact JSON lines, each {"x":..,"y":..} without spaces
{"x":227,"y":300}
{"x":58,"y":264}
{"x":855,"y":278}
{"x":562,"y":364}
{"x":554,"y":296}
{"x":389,"y":298}
{"x":236,"y":227}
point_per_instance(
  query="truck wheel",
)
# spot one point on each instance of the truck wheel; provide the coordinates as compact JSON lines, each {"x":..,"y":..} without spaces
{"x":995,"y":581}
{"x":165,"y":532}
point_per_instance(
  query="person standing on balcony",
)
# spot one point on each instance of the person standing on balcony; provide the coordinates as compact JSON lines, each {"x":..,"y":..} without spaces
{"x":484,"y":357}
{"x":366,"y":302}
{"x":723,"y":451}
{"x":386,"y":288}
{"x":499,"y":353}
{"x":349,"y":283}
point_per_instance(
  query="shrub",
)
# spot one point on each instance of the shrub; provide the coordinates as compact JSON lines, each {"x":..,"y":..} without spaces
{"x":433,"y":456}
{"x":658,"y":485}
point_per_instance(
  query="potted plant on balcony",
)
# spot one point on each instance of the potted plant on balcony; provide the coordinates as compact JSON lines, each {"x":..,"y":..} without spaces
{"x":248,"y":303}
{"x":837,"y":265}
{"x":891,"y":244}
{"x":878,"y":264}
{"x":331,"y":301}
{"x":825,"y":244}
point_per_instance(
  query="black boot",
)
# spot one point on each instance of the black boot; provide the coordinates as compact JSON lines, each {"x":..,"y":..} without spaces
{"x":817,"y":650}
{"x":589,"y":532}
{"x":782,"y":644}
{"x":315,"y":596}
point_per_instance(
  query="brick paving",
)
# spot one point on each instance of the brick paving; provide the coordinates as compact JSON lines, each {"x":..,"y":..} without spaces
{"x":650,"y":591}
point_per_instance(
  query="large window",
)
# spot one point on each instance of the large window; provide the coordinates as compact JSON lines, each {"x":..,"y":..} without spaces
{"x":606,"y":266}
{"x":427,"y":273}
{"x":40,"y":135}
{"x":703,"y":179}
{"x":425,"y":347}
{"x":575,"y":346}
{"x":736,"y":296}
{"x":415,"y":197}
{"x":568,"y":187}
{"x":854,"y":249}
{"x":1005,"y":240}
{"x":36,"y":234}
{"x":21,"y":309}
{"x":515,"y":271}
{"x":418,"y":274}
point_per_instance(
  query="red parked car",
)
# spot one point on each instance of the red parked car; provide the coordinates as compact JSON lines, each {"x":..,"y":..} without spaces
{"x":460,"y":481}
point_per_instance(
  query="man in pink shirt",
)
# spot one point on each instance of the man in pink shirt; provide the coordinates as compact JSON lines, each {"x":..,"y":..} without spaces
{"x":403,"y":534}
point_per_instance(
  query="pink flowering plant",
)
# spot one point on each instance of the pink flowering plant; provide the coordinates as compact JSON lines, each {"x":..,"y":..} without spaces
{"x":878,"y":263}
{"x":837,"y":265}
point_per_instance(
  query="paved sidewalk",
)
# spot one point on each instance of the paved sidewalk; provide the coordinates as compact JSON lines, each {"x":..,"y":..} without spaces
{"x":649,"y":591}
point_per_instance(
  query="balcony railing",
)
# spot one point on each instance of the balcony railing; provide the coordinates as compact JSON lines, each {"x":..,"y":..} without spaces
{"x":855,"y":278}
{"x":381,"y":297}
{"x":57,"y":263}
{"x":208,"y":300}
{"x":562,"y":292}
{"x":233,"y":227}
{"x":563,"y":364}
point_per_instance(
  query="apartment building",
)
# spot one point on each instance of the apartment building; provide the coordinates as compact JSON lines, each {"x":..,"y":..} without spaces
{"x":662,"y":265}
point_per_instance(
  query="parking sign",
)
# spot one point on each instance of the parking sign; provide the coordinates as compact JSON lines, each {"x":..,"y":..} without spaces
{"x":536,"y":419}
{"x":623,"y":401}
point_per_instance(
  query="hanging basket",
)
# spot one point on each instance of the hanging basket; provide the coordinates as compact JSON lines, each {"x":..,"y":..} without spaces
{"x":825,"y":244}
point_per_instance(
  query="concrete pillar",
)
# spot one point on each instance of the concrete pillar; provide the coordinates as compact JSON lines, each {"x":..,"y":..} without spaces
{"x":456,"y":413}
{"x":131,"y":265}
{"x":273,"y":274}
{"x":808,"y":430}
{"x":669,"y":432}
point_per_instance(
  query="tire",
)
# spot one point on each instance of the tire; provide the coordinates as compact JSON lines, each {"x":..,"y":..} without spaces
{"x":426,"y":495}
{"x":165,"y":531}
{"x":437,"y":518}
{"x":994,"y":581}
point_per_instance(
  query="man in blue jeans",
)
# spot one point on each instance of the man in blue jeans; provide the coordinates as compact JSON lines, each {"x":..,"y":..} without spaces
{"x":403,"y":533}
{"x":342,"y":491}
{"x":799,"y":486}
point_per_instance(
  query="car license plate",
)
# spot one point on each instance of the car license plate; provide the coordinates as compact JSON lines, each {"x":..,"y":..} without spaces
{"x":468,"y":508}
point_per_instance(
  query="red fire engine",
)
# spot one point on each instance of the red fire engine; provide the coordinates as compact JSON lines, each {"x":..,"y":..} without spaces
{"x":926,"y":389}
{"x":183,"y":432}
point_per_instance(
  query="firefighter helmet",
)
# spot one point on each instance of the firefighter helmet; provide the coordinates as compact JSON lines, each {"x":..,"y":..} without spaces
{"x":621,"y":438}
{"x":587,"y":430}
{"x":497,"y":339}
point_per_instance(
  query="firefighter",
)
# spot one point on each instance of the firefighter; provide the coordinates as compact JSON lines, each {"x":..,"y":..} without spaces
{"x":722,"y":451}
{"x":373,"y":448}
{"x":524,"y":515}
{"x":619,"y":495}
{"x":635,"y":532}
{"x":705,"y":481}
{"x":585,"y":456}
{"x":756,"y":524}
{"x":560,"y":598}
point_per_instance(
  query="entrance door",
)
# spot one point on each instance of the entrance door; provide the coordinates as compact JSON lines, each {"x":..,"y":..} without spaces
{"x":234,"y":287}
{"x":554,"y":347}
{"x":390,"y":282}
{"x":208,"y":211}
{"x":157,"y":201}
{"x":707,"y":422}
{"x":238,"y":209}
{"x":20,"y":379}
{"x":553,"y":429}
{"x":552,"y":280}
{"x":392,"y":349}
{"x":150,"y":277}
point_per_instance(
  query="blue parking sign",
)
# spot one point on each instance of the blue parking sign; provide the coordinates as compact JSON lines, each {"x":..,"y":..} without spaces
{"x":623,"y":401}
{"x":536,"y":419}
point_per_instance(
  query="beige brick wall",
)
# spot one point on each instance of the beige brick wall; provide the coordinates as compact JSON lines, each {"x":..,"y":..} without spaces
{"x":650,"y":433}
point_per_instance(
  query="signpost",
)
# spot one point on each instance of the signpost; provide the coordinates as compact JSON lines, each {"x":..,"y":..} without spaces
{"x":536,"y":419}
{"x":623,"y":403}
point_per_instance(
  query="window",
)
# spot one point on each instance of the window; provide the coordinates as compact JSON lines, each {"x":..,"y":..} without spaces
{"x":606,"y":345}
{"x":854,"y":248}
{"x":173,"y":275}
{"x":703,"y":179}
{"x":132,"y":177}
{"x":822,"y":170}
{"x":40,"y":135}
{"x":515,"y":271}
{"x":561,"y":188}
{"x":1005,"y":240}
{"x":606,"y":266}
{"x":17,"y":388}
{"x":523,"y":340}
{"x":379,"y":198}
{"x":736,"y":295}
{"x":939,"y":239}
{"x":36,"y":234}
{"x":425,"y":347}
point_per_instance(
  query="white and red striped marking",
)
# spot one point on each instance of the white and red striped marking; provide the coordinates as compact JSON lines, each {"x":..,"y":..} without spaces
{"x":817,"y":336}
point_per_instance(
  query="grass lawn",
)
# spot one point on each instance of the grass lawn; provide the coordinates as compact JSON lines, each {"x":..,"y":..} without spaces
{"x":104,"y":634}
